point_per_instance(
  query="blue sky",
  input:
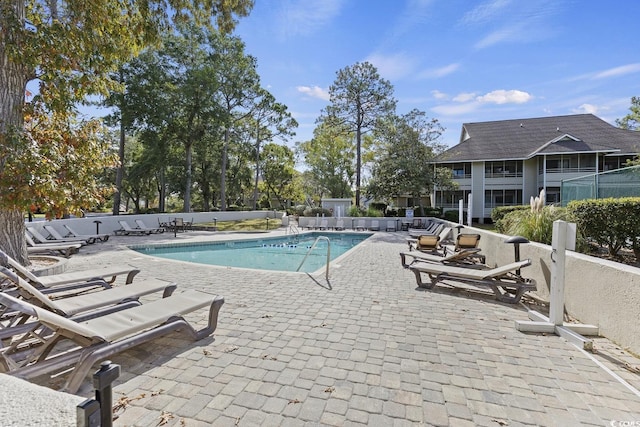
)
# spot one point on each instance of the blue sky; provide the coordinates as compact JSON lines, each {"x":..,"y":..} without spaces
{"x":459,"y":61}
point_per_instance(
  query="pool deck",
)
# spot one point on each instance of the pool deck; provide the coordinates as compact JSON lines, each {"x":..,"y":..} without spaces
{"x":365,"y":348}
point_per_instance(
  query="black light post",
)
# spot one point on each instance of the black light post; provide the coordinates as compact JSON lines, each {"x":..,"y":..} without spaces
{"x":516,"y":241}
{"x":97,"y":223}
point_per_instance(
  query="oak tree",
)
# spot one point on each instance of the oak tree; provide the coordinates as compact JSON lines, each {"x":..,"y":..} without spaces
{"x":70,"y":47}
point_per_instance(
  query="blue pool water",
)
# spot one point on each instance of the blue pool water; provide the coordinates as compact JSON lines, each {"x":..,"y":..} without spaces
{"x":270,"y":253}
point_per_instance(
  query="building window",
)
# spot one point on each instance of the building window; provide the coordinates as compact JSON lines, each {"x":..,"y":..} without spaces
{"x":552,"y":195}
{"x":495,"y":198}
{"x":460,"y":170}
{"x":450,"y":199}
{"x":503,"y":169}
{"x":568,"y":163}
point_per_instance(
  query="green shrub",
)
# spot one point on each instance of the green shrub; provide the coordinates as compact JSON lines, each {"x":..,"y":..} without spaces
{"x":355,"y":211}
{"x":537,"y":226}
{"x":452,"y":215}
{"x":373,"y":212}
{"x":433,"y":212}
{"x":298,"y":210}
{"x":614,"y":223}
{"x":498,"y":213}
{"x":378,"y":206}
{"x":317,"y":212}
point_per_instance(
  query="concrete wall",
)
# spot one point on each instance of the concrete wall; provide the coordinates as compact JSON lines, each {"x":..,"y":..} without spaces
{"x":108,"y":224}
{"x":597,"y":292}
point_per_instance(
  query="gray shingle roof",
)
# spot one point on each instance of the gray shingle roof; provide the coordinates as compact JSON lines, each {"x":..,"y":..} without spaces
{"x":524,"y":138}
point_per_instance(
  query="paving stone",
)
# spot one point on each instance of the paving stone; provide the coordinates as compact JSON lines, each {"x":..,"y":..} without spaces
{"x":389,"y":354}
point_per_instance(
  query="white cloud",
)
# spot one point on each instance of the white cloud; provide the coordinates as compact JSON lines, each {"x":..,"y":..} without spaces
{"x":455,"y":109}
{"x":507,"y":21}
{"x":464,"y":97}
{"x":484,"y":12}
{"x":618,"y":71}
{"x":498,"y":36}
{"x":505,"y":97}
{"x":439,"y":72}
{"x":467,"y":102}
{"x":314,"y":92}
{"x":392,"y":67}
{"x":439,"y":95}
{"x":304,"y":17}
{"x":586,"y":109}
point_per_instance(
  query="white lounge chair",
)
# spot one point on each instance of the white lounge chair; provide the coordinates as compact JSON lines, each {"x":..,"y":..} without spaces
{"x":97,"y":237}
{"x":375,"y":225}
{"x":505,"y":283}
{"x":391,"y":225}
{"x":361,"y":225}
{"x":126,"y":229}
{"x":39,"y":238}
{"x":339,"y":224}
{"x":466,"y":257}
{"x":87,"y":302}
{"x":64,"y":249}
{"x":141,"y":226}
{"x":81,"y":278}
{"x":98,"y":338}
{"x":54,"y":236}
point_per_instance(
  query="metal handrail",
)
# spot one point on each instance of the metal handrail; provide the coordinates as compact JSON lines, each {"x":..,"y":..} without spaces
{"x":293,"y":230}
{"x":328,"y":253}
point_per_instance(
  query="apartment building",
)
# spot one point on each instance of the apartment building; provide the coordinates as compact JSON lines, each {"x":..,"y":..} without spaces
{"x":504,"y":163}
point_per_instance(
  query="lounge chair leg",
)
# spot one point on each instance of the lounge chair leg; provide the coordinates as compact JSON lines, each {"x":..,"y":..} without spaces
{"x":422,"y":284}
{"x":403,"y":260}
{"x":131,"y":275}
{"x":169,"y":290}
{"x":213,"y":319}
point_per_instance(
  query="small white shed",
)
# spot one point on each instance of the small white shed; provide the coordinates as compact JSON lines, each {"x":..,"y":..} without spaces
{"x":338,"y":207}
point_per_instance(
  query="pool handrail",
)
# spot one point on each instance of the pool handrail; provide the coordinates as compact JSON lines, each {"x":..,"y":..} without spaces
{"x":328,"y":254}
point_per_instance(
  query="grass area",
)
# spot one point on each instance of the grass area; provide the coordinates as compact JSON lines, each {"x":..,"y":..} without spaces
{"x":257,"y":224}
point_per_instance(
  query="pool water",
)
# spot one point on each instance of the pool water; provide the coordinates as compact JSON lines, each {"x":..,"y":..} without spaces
{"x":271,"y":253}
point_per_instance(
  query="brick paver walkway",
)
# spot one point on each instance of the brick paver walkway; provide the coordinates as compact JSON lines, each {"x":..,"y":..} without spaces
{"x":367,"y":347}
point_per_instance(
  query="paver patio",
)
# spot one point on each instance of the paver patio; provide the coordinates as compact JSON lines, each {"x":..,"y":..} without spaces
{"x":367,"y":347}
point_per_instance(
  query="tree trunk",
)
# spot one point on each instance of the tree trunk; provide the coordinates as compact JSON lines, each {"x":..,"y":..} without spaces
{"x":223,"y":172}
{"x":120,"y":172}
{"x":255,"y":188}
{"x":12,"y":240}
{"x":13,"y":84}
{"x":358,"y":162}
{"x":187,"y":185}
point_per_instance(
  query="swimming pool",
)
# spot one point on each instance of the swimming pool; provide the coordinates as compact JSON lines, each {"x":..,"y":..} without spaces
{"x":269,"y":253}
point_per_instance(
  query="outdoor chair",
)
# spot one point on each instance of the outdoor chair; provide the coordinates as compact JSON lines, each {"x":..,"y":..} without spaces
{"x":103,"y":276}
{"x":126,"y":229}
{"x":464,"y":257}
{"x":90,"y":341}
{"x":339,"y":224}
{"x":141,"y":226}
{"x":54,"y":236}
{"x":97,"y":237}
{"x":361,"y":225}
{"x":64,"y":249}
{"x":506,"y":284}
{"x":39,"y":238}
{"x":391,"y":225}
{"x":73,"y":305}
{"x":375,"y":225}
